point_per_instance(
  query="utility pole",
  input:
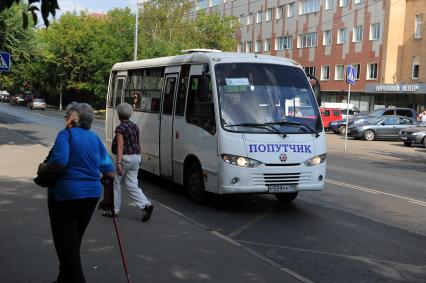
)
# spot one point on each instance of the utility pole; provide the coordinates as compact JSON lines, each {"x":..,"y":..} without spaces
{"x":138,"y":5}
{"x":60,"y":95}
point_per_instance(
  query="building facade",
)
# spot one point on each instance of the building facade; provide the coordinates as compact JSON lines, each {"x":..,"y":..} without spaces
{"x":382,"y":39}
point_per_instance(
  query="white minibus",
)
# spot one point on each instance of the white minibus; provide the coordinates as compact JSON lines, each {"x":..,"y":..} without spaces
{"x":220,"y":122}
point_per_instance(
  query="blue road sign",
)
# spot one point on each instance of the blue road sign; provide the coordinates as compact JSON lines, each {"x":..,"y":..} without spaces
{"x":350,"y":74}
{"x":4,"y":62}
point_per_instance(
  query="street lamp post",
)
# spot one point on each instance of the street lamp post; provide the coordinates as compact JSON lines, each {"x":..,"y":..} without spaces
{"x":138,"y":5}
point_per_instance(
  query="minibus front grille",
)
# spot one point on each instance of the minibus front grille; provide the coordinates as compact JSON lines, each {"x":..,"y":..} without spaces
{"x":281,"y":164}
{"x":281,"y":179}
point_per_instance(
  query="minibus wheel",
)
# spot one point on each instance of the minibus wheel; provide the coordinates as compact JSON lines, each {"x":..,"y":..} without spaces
{"x":286,"y":197}
{"x":195,"y":184}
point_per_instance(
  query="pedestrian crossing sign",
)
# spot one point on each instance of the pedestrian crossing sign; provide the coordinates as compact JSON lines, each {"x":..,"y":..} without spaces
{"x":4,"y":62}
{"x":350,"y":75}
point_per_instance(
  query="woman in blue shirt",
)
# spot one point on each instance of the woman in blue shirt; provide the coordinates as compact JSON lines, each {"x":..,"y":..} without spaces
{"x":74,"y":197}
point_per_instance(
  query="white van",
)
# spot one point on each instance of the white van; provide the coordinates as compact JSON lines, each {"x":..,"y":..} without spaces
{"x":342,"y":106}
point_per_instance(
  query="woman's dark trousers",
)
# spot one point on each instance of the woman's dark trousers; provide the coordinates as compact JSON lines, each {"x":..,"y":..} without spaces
{"x":69,"y":220}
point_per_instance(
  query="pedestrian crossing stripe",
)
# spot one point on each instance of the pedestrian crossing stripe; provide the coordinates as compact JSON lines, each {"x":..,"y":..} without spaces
{"x":3,"y":64}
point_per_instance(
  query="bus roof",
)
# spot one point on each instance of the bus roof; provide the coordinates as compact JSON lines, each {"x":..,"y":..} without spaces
{"x":204,"y":57}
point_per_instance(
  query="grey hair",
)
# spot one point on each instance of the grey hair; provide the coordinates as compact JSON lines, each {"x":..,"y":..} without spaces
{"x":124,"y":110}
{"x":81,"y":114}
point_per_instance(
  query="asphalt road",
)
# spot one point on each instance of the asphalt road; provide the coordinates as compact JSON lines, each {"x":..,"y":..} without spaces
{"x":367,"y":225}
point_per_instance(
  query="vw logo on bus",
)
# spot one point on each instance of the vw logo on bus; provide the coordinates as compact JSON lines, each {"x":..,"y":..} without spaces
{"x":283,"y":157}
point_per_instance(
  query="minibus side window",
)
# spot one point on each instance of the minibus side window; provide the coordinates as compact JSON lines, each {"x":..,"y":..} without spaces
{"x":200,"y":113}
{"x":183,"y":87}
{"x":132,"y":94}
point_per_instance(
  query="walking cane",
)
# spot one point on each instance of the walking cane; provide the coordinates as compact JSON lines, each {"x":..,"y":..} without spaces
{"x":108,"y":204}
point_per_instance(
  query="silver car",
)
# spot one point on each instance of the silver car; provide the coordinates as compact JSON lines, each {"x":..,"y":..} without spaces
{"x":38,"y":103}
{"x":387,"y":127}
{"x":415,"y":135}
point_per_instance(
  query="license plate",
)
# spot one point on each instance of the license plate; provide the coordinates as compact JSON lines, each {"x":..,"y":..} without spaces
{"x":282,"y":188}
{"x":403,"y":138}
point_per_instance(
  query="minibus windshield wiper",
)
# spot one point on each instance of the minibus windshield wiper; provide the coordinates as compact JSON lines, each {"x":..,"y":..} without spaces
{"x":293,"y":123}
{"x":265,"y":126}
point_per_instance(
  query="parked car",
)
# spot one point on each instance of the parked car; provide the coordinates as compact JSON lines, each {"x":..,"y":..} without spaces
{"x":4,"y":96}
{"x":381,"y":128}
{"x":378,"y":113}
{"x":17,"y":100}
{"x":415,"y":135}
{"x":330,"y":115}
{"x":343,"y":108}
{"x":38,"y":103}
{"x":339,"y":127}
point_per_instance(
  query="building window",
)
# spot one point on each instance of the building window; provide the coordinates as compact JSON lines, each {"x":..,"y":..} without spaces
{"x":358,"y":1}
{"x":339,"y":74}
{"x":311,"y":70}
{"x":259,"y":17}
{"x":308,"y":40}
{"x":327,"y":38}
{"x":357,"y":34}
{"x":201,"y":4}
{"x":290,"y":9}
{"x":416,"y":68}
{"x":330,"y":4}
{"x":258,"y":46}
{"x":249,"y":19}
{"x":268,"y":15}
{"x":325,"y":73}
{"x":357,"y":70}
{"x":308,"y":6}
{"x":279,"y":12}
{"x":375,"y":31}
{"x":343,"y":3}
{"x":284,"y":42}
{"x":248,"y":47}
{"x":418,"y":27}
{"x":240,"y":47}
{"x":341,"y":36}
{"x":214,"y":3}
{"x":372,"y":71}
{"x":267,"y":45}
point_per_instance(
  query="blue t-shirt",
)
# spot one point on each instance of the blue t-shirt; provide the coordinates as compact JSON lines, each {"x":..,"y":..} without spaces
{"x":85,"y":160}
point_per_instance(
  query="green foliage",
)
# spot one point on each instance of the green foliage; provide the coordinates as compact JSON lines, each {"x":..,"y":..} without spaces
{"x":46,"y":7}
{"x":77,"y":52}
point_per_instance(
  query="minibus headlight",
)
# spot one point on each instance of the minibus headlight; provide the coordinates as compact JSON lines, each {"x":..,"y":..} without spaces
{"x":316,"y":160}
{"x":240,"y":161}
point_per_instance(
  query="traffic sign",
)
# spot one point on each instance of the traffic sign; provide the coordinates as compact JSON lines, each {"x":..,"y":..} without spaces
{"x":350,"y":74}
{"x":4,"y":62}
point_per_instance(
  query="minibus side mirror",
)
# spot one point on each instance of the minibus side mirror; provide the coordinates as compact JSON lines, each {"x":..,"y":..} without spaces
{"x":316,"y":86}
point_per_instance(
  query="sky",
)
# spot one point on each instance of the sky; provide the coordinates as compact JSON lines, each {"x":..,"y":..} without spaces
{"x":93,"y":6}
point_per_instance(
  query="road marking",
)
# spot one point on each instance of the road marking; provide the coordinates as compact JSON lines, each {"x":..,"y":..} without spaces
{"x":415,"y":201}
{"x":245,"y":226}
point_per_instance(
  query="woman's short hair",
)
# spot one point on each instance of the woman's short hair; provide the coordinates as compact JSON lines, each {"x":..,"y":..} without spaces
{"x":124,"y":110}
{"x":81,"y":114}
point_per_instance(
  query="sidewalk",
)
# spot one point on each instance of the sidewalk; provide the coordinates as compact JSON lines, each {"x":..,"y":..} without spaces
{"x":168,"y":248}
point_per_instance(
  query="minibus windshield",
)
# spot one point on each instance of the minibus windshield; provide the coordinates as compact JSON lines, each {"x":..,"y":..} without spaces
{"x":257,"y":94}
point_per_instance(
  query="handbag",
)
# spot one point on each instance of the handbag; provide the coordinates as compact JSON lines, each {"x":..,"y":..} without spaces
{"x":48,"y":173}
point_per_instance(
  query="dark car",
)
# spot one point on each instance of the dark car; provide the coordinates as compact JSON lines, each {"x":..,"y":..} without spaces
{"x":415,"y":135}
{"x":339,"y":127}
{"x":378,"y":113}
{"x":381,"y":128}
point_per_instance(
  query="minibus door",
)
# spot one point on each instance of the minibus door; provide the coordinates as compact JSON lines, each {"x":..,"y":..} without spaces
{"x":117,"y":99}
{"x":166,"y":125}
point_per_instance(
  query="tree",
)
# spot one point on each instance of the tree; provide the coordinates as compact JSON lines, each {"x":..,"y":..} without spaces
{"x":168,"y":27}
{"x":47,"y":7}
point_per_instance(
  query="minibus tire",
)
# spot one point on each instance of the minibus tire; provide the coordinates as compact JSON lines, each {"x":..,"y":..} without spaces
{"x":195,"y":184}
{"x":286,"y":197}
